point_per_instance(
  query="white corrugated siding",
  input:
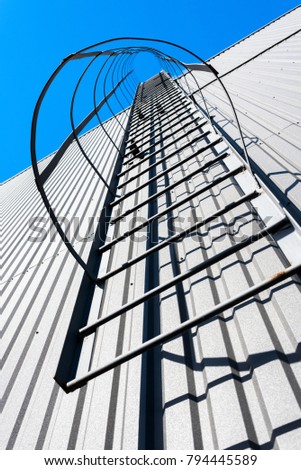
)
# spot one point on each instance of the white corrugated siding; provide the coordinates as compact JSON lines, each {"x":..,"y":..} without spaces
{"x":234,"y":382}
{"x":266,"y":93}
{"x":257,"y":42}
{"x":39,"y":288}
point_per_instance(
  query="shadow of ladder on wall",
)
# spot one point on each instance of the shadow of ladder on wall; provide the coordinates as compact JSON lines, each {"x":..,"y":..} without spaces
{"x":166,"y":126}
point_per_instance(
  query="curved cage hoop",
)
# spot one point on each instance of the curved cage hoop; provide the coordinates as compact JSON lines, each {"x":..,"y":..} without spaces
{"x":113,"y":72}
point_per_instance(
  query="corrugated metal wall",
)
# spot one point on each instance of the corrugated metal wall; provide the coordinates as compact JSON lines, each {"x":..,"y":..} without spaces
{"x":266,"y":92}
{"x":260,"y":40}
{"x":234,"y":382}
{"x":39,"y":288}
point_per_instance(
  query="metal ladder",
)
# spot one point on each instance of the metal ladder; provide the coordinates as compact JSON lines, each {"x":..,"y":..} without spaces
{"x":165,"y":124}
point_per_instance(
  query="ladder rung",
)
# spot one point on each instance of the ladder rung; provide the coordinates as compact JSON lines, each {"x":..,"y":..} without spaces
{"x":166,"y":157}
{"x":146,"y":116}
{"x":171,"y":186}
{"x":162,"y":139}
{"x":184,"y":326}
{"x":144,"y":125}
{"x":167,"y":170}
{"x":163,"y":98}
{"x":162,"y":118}
{"x":170,"y":102}
{"x":165,"y":211}
{"x":158,"y":94}
{"x":180,"y":235}
{"x":162,"y":128}
{"x":176,"y":139}
{"x":87,"y":330}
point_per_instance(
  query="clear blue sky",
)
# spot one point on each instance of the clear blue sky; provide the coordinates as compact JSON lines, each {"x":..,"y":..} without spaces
{"x":37,"y":35}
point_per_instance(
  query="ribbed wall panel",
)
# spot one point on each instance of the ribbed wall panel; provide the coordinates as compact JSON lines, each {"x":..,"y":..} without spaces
{"x":257,"y":42}
{"x":40,"y":285}
{"x":234,"y":381}
{"x":266,"y":93}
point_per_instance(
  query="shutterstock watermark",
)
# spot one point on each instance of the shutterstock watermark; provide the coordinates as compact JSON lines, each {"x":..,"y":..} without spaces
{"x":76,"y":230}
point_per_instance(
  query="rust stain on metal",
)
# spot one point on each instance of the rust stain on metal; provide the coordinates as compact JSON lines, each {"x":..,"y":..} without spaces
{"x":279,"y":274}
